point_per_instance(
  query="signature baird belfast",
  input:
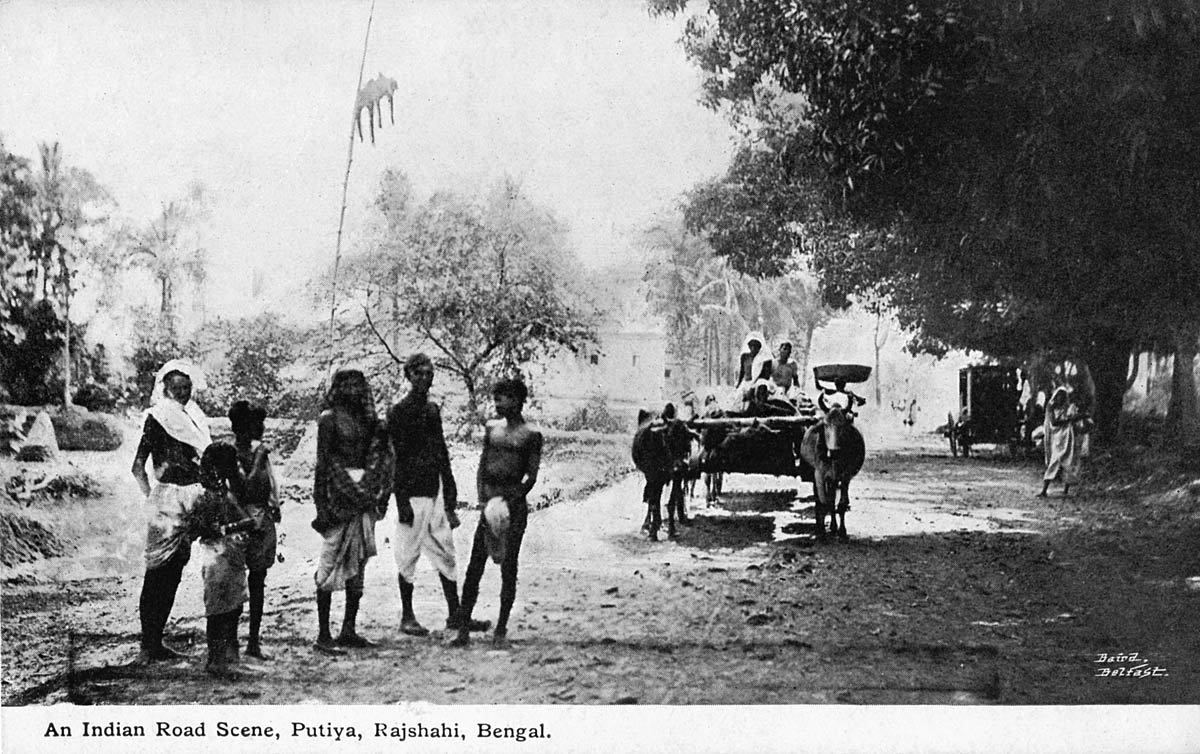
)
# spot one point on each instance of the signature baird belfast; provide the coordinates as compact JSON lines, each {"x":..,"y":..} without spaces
{"x":1126,"y":665}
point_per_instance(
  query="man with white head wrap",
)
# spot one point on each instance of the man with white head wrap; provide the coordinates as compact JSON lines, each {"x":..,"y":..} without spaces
{"x":174,"y":435}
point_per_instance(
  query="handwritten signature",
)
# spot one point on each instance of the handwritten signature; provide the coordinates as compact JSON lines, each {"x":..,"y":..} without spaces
{"x":1121,"y":666}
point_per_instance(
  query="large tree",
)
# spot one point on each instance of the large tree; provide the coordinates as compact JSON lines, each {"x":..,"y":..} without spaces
{"x":484,"y":283}
{"x":1018,"y":178}
{"x":49,"y":218}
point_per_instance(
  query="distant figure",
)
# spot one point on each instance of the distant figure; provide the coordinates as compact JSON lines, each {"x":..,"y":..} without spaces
{"x":712,"y":480}
{"x":261,"y":501}
{"x":350,"y":492}
{"x":1061,"y":441}
{"x":508,"y":470}
{"x":174,"y":435}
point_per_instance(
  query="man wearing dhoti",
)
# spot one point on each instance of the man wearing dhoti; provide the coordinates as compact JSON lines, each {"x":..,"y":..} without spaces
{"x":350,"y":490}
{"x":174,"y":435}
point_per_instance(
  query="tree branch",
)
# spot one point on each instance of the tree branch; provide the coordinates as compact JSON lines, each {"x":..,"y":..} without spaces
{"x":377,"y":334}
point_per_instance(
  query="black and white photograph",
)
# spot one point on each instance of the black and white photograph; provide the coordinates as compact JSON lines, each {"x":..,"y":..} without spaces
{"x":619,"y":375}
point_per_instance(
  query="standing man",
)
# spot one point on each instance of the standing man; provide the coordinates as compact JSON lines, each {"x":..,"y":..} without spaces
{"x":174,"y":435}
{"x":350,"y":492}
{"x":508,"y":469}
{"x":423,"y":522}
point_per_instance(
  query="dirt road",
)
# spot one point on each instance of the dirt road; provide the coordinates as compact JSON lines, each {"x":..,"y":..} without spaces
{"x":957,"y":586}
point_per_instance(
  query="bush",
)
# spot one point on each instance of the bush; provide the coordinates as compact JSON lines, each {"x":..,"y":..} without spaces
{"x":95,"y":398}
{"x":82,"y":430}
{"x":594,"y":416}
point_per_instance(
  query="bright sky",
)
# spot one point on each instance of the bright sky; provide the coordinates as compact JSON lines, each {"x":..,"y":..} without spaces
{"x":592,"y":105}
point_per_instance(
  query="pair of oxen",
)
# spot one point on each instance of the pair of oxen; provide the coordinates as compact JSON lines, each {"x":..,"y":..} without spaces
{"x":668,"y":454}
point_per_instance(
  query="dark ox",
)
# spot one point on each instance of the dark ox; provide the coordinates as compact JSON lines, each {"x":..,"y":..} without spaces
{"x":835,"y":449}
{"x":661,"y":449}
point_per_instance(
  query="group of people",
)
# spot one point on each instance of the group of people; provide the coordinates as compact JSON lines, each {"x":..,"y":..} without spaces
{"x":762,"y":377}
{"x":226,"y":497}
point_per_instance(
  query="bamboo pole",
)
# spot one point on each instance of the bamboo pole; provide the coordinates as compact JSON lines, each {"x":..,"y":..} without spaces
{"x":337,"y":256}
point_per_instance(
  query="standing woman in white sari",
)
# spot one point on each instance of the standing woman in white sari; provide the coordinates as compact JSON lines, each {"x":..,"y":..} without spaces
{"x":1061,"y":441}
{"x":174,"y":436}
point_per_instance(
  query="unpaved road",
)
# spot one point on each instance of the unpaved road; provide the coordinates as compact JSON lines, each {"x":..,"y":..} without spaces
{"x":958,"y":586}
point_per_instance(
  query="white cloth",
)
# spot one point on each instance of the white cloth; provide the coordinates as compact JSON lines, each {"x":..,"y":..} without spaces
{"x":497,"y":515}
{"x":188,"y":424}
{"x":1061,"y":442}
{"x":345,"y":552}
{"x":429,"y":533}
{"x":168,"y":508}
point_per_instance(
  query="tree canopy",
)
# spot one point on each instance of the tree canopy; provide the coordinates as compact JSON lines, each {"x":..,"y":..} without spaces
{"x":483,"y":283}
{"x":1012,"y":177}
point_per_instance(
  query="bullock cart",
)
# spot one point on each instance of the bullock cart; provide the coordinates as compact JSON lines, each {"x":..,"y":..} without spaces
{"x":770,"y":444}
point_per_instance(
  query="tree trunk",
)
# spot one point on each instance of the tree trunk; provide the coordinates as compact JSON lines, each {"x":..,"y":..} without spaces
{"x":1134,"y":369}
{"x":1108,"y":361}
{"x":67,"y":345}
{"x":809,"y":329}
{"x":1183,"y":419}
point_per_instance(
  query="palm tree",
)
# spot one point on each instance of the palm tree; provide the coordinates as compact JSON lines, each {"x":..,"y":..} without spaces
{"x":61,"y":197}
{"x":170,"y":248}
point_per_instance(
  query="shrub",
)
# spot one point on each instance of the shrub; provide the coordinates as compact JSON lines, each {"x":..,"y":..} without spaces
{"x":595,"y":416}
{"x":82,"y":430}
{"x":95,"y":398}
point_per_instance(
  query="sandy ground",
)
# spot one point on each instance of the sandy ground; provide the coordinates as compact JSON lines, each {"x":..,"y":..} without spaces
{"x":957,"y":586}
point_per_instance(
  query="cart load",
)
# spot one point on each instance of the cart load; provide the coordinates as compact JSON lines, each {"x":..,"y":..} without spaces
{"x":769,"y":441}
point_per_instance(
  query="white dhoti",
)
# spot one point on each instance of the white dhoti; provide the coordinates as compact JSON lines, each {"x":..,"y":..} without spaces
{"x":429,"y":533}
{"x":346,"y":548}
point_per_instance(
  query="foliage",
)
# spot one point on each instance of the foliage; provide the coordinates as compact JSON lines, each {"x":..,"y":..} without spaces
{"x":155,"y":343}
{"x":708,"y":306}
{"x":83,"y":430}
{"x":48,"y":221}
{"x":1022,"y":174}
{"x":594,"y":416}
{"x":248,"y":360}
{"x":483,"y":283}
{"x":171,"y":246}
{"x":31,"y":367}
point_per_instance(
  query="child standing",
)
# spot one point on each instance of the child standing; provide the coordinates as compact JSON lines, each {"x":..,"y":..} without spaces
{"x":261,"y":502}
{"x":508,"y":469}
{"x":220,"y":522}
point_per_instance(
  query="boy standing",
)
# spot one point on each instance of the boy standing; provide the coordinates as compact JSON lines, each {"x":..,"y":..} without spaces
{"x":508,"y":469}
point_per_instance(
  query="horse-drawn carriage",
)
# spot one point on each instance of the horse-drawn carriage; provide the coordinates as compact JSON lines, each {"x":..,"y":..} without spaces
{"x":779,"y":437}
{"x":990,"y":411}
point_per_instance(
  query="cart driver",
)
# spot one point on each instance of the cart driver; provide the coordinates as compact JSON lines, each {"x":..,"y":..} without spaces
{"x":845,"y":399}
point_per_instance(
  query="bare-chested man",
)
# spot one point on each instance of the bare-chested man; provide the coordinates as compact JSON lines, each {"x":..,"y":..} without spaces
{"x":508,"y":469}
{"x":351,"y":490}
